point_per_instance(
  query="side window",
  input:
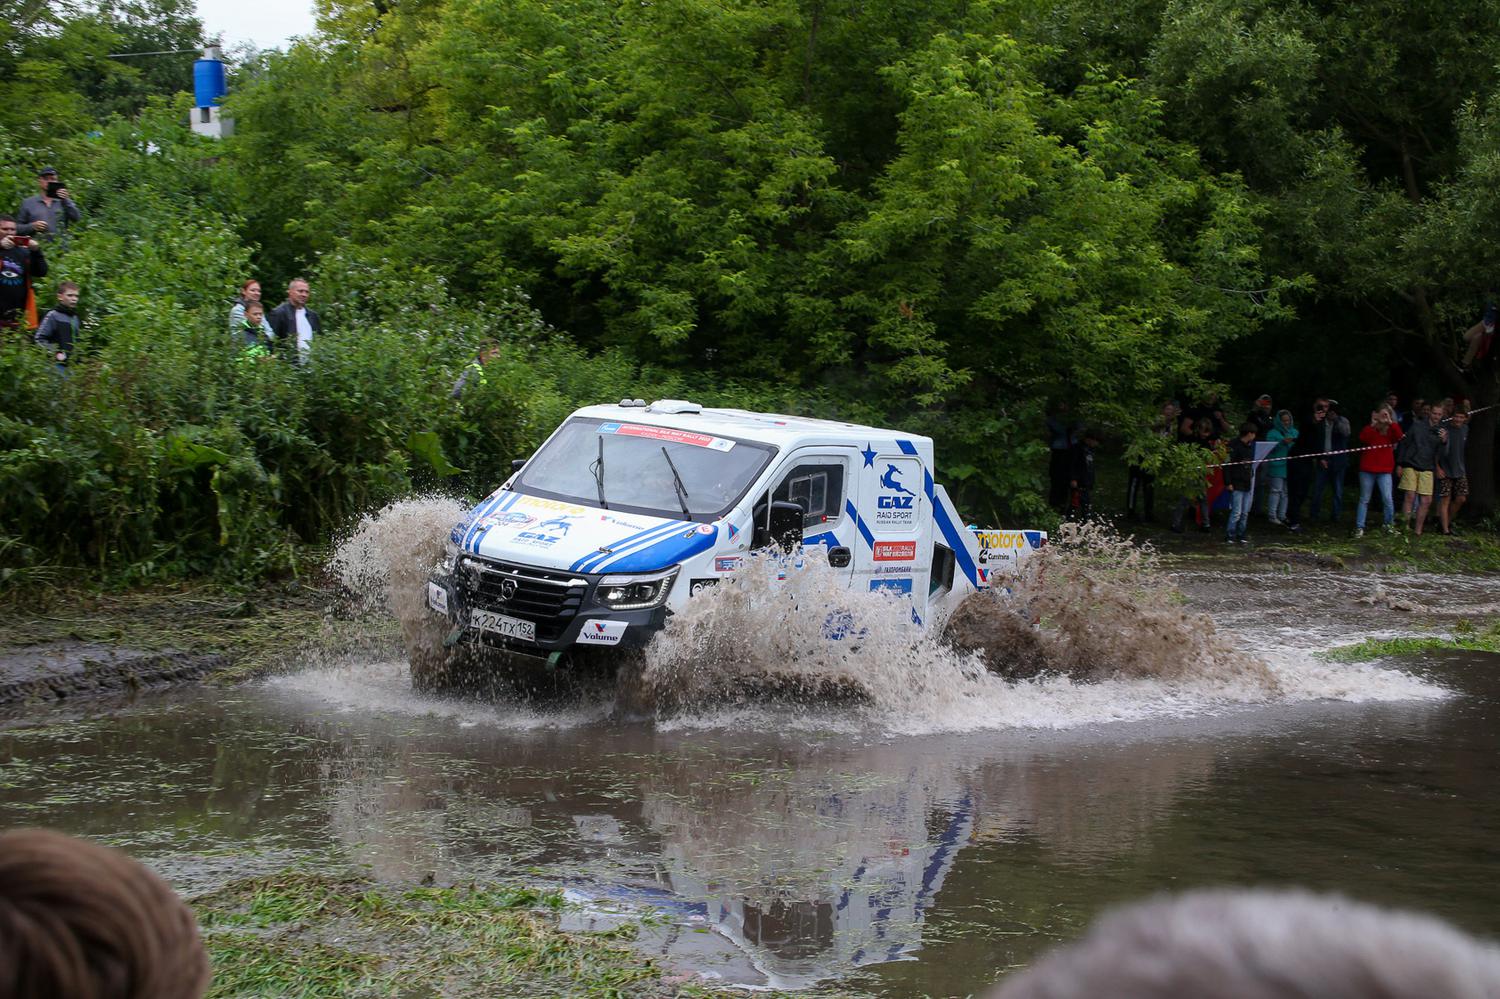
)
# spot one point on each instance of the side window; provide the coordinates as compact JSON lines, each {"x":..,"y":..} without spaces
{"x":942,"y":570}
{"x":817,"y":487}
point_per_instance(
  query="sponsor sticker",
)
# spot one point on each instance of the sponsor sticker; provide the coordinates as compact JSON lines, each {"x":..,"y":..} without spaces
{"x":895,"y":551}
{"x":437,"y":598}
{"x":697,"y":586}
{"x":510,"y":518}
{"x":669,"y":434}
{"x":896,"y":499}
{"x":705,"y":529}
{"x":595,"y":632}
{"x":894,"y":585}
{"x":729,"y":563}
{"x":548,"y":532}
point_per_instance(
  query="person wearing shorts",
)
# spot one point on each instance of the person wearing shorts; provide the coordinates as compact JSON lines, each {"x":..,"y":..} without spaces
{"x":1428,"y":440}
{"x":1455,"y":487}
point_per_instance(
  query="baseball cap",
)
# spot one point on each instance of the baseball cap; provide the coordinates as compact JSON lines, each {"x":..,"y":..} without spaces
{"x":1263,"y":395}
{"x":45,"y":171}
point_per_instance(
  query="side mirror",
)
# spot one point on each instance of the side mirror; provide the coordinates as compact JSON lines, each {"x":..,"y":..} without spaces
{"x":517,"y":464}
{"x":784,"y":527}
{"x":840,"y":557}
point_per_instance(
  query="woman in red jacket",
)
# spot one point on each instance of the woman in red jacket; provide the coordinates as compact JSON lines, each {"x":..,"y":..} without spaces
{"x":1376,"y":466}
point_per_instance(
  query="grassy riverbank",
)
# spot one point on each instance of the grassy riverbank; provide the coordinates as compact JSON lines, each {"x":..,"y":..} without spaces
{"x":1465,"y":637}
{"x":312,"y":936}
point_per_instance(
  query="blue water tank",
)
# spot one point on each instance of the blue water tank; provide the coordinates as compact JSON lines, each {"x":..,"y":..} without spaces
{"x":208,"y":83}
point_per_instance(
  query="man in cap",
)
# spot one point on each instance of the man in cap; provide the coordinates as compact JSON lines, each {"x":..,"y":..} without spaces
{"x":1263,"y":416}
{"x":46,"y":215}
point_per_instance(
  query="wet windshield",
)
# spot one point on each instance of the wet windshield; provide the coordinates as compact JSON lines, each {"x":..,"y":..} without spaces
{"x":638,"y":468}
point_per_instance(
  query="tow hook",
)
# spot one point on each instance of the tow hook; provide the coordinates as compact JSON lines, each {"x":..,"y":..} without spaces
{"x":554,"y":659}
{"x":453,"y":636}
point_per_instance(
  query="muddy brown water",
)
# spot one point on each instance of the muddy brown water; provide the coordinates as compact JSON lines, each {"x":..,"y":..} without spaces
{"x":789,"y":847}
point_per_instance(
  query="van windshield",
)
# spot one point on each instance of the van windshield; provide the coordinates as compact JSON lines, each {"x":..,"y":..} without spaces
{"x":659,"y":471}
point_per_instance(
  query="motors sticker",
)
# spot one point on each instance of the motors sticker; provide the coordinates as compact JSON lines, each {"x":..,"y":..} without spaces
{"x":437,"y":598}
{"x":668,"y":434}
{"x":697,"y":586}
{"x":895,"y":551}
{"x":596,"y":632}
{"x":1002,"y":551}
{"x":895,"y":499}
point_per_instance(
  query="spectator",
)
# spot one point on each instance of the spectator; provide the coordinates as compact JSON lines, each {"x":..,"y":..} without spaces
{"x":474,"y":370}
{"x":59,"y":329}
{"x":1329,"y":471}
{"x":1060,"y":440}
{"x":1455,"y":487}
{"x":292,"y":322}
{"x":1415,"y":415}
{"x":79,"y":919}
{"x":1376,"y":467}
{"x":21,"y":263}
{"x":1081,"y":473}
{"x":249,"y":292}
{"x":1212,"y":408}
{"x":1428,"y":440}
{"x":1261,"y":944}
{"x":1479,"y":336}
{"x":46,"y":214}
{"x":1302,"y":461}
{"x":1392,"y":400}
{"x":1263,"y":415}
{"x":253,"y":334}
{"x":1284,"y":434}
{"x":1239,"y":479}
{"x":1141,"y":485}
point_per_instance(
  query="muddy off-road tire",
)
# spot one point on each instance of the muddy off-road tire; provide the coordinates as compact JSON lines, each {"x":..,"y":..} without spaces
{"x":435,"y":668}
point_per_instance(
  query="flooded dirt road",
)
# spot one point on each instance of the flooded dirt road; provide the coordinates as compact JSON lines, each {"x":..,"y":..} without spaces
{"x":791,"y":846}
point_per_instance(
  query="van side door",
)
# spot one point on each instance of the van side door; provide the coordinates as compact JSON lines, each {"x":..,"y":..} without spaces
{"x":819,"y":480}
{"x":894,"y":515}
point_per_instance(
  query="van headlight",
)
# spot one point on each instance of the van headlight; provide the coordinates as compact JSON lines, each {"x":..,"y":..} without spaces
{"x":637,"y":592}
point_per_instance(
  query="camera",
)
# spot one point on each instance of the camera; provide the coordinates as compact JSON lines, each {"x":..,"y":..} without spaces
{"x":22,"y":242}
{"x":53,"y":186}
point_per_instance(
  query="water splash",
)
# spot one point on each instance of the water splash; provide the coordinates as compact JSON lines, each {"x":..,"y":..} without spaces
{"x":1093,"y":630}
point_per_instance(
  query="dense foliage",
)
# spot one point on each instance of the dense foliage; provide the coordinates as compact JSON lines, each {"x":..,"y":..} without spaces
{"x":940,"y":216}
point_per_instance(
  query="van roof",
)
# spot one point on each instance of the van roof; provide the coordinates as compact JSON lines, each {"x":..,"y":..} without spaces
{"x":768,"y":428}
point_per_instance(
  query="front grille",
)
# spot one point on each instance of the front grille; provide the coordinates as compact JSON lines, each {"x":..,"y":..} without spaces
{"x":550,"y":598}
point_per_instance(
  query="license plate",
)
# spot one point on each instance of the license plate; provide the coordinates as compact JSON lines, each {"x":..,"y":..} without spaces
{"x":499,"y":624}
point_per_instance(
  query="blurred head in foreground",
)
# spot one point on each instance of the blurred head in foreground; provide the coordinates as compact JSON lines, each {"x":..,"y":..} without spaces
{"x":82,"y":921}
{"x":1262,"y":945}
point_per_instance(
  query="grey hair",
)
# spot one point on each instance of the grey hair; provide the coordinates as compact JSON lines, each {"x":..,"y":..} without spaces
{"x":1263,"y":945}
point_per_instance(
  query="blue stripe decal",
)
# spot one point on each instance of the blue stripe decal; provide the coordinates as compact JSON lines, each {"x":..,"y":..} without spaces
{"x":594,"y":560}
{"x":663,"y":553}
{"x":859,"y":522}
{"x":506,"y":503}
{"x":481,"y":511}
{"x":955,"y":541}
{"x":907,"y":447}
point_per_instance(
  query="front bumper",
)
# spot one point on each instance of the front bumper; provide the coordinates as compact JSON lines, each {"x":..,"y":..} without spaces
{"x":560,"y":604}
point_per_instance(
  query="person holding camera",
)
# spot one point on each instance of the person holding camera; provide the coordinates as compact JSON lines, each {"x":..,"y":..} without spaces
{"x":21,"y":263}
{"x":45,"y":216}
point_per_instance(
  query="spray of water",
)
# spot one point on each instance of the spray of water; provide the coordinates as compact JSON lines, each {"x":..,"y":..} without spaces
{"x":1092,"y":630}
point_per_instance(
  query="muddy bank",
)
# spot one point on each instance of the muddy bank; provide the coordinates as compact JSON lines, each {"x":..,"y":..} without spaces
{"x":56,"y":671}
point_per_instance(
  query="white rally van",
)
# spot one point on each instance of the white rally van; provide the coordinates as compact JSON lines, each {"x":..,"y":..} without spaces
{"x":629,"y":510}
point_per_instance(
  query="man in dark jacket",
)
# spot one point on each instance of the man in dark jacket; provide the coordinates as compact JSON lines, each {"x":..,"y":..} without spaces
{"x":45,"y":216}
{"x":1081,"y":473}
{"x":293,"y":322}
{"x":21,"y":262}
{"x":1302,"y":463}
{"x":1427,"y":441}
{"x":1239,"y":480}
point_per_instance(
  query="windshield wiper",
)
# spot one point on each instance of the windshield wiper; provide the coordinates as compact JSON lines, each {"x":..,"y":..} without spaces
{"x":682,"y":493}
{"x":597,"y":468}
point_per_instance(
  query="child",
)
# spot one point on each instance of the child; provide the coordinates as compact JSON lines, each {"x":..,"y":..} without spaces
{"x":1455,"y":487}
{"x":58,"y":330}
{"x":1239,"y":478}
{"x":252,"y":332}
{"x":1284,"y":434}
